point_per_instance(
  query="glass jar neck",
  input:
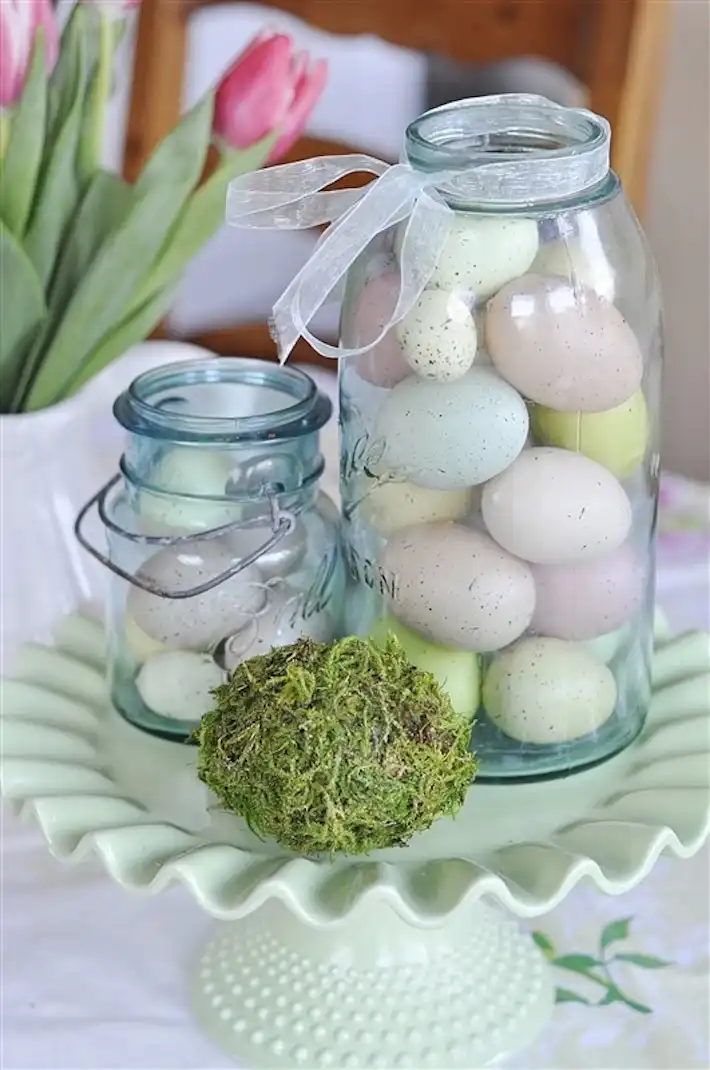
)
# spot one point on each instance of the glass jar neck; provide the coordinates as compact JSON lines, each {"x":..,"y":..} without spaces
{"x":511,"y":150}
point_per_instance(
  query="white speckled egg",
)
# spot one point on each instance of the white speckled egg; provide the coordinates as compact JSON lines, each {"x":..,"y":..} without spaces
{"x":584,"y":262}
{"x":283,"y":558}
{"x":482,"y":254}
{"x":564,"y":347}
{"x":278,"y":623}
{"x":178,"y":684}
{"x":548,"y":691}
{"x":188,"y":478}
{"x":438,"y":336}
{"x":390,"y":506}
{"x":457,"y":588}
{"x":199,"y":622}
{"x":553,"y":507}
{"x":383,"y":365}
{"x":446,"y":436}
{"x":588,"y":598}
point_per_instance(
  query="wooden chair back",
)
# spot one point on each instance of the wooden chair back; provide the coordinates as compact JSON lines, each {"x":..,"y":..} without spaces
{"x":613,"y":47}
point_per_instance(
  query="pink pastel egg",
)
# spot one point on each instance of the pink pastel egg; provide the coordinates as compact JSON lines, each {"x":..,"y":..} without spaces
{"x":589,"y":598}
{"x":385,"y":364}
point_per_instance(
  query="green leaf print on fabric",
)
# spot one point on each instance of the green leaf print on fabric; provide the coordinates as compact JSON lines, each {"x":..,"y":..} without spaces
{"x":598,"y":969}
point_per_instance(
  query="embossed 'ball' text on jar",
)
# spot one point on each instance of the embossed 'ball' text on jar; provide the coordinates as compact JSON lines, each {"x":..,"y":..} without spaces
{"x":499,"y":444}
{"x":220,"y":542}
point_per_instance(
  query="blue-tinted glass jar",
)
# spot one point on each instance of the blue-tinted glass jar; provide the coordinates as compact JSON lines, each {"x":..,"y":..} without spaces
{"x":500,"y":444}
{"x":220,"y":542}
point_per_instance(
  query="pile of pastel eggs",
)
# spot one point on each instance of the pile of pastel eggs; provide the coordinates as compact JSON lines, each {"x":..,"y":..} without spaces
{"x":513,"y":415}
{"x":182,"y":648}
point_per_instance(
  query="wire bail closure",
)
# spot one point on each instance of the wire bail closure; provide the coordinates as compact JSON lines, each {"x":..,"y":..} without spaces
{"x":282,"y":524}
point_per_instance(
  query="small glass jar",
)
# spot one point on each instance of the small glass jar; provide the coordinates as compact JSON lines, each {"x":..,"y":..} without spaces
{"x":220,"y":542}
{"x":500,"y":459}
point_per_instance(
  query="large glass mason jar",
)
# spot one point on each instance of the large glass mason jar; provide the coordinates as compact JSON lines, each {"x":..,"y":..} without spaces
{"x":500,"y":443}
{"x":220,"y":542}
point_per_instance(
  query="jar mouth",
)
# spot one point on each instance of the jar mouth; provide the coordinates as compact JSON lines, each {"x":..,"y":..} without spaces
{"x":223,"y":400}
{"x":510,"y":149}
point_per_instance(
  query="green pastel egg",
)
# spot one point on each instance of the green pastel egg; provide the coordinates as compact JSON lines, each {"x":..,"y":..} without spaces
{"x":456,"y":671}
{"x":616,"y":438}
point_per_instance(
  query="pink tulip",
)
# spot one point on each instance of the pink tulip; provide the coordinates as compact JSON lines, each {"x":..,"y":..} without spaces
{"x":19,"y":21}
{"x":268,"y":87}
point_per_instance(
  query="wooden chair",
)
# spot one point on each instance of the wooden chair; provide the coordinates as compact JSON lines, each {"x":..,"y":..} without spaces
{"x":613,"y":47}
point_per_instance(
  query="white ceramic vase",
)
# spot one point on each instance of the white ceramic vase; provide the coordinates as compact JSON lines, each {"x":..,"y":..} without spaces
{"x":51,"y":462}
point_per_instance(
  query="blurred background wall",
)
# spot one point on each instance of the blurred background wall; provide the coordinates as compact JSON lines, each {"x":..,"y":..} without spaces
{"x":678,"y":225}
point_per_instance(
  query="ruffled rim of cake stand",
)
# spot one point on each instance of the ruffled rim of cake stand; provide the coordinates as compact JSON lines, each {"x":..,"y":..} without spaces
{"x":55,"y":768}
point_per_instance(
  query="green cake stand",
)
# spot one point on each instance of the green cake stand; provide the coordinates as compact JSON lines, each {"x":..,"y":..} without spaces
{"x":393,"y":960}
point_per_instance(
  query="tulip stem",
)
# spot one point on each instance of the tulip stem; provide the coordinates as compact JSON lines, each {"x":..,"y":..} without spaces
{"x":91,"y":145}
{"x":5,"y":126}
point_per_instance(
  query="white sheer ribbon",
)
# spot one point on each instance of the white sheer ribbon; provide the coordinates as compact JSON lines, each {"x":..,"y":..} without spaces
{"x":293,"y":197}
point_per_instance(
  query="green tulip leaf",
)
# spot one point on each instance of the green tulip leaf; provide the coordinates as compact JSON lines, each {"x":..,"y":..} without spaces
{"x":99,"y":90}
{"x":23,"y":309}
{"x":203,"y":216}
{"x":101,"y":300}
{"x":565,"y":995}
{"x":58,"y":193}
{"x":647,"y":962}
{"x":615,"y":930}
{"x":21,"y":164}
{"x":127,"y":334}
{"x":72,"y":67}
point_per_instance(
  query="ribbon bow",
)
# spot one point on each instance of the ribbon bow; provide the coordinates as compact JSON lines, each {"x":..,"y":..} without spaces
{"x":294,"y":197}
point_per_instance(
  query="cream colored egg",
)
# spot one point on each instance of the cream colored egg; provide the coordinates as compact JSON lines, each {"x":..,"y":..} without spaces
{"x":583,"y":261}
{"x":384,"y":364}
{"x":447,"y":436}
{"x":548,"y":691}
{"x":198,"y":622}
{"x":140,"y":645}
{"x":438,"y":336}
{"x":390,"y":506}
{"x":617,"y":438}
{"x":188,"y":484}
{"x":553,"y":507}
{"x":562,"y":346}
{"x":482,"y":254}
{"x":278,"y":623}
{"x":457,"y":588}
{"x":179,"y":683}
{"x":456,"y":671}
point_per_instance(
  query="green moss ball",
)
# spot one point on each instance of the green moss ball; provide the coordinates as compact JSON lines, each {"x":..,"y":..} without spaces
{"x":341,"y":747}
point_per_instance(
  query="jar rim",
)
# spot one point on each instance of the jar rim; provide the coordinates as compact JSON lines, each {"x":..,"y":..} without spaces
{"x":142,"y":408}
{"x":510,"y":149}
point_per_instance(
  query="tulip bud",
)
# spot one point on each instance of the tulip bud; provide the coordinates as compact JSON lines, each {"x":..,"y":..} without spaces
{"x":267,"y":88}
{"x":19,"y":22}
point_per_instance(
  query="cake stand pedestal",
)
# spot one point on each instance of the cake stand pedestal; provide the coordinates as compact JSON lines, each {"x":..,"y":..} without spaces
{"x":388,"y":961}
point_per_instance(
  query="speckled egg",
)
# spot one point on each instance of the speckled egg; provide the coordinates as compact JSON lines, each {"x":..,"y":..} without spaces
{"x":390,"y":506}
{"x":616,"y":438}
{"x":187,"y":480}
{"x":562,"y":346}
{"x":438,"y":336}
{"x":457,"y":588}
{"x":178,"y":684}
{"x":384,"y":365}
{"x":589,"y":598}
{"x":582,"y":260}
{"x":199,"y":622}
{"x":456,"y":671}
{"x":447,"y":436}
{"x":482,"y":254}
{"x":553,"y":507}
{"x":548,"y":691}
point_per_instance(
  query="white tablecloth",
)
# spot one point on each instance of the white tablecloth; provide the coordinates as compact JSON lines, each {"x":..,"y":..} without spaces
{"x":95,"y":978}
